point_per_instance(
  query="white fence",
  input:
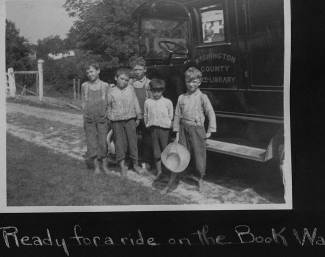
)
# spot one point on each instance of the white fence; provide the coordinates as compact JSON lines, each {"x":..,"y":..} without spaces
{"x":11,"y":82}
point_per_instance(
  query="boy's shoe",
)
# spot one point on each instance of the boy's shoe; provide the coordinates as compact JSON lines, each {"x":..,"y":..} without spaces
{"x":97,"y":168}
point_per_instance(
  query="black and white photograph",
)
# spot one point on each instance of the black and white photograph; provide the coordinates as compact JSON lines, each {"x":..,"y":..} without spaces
{"x":145,"y":105}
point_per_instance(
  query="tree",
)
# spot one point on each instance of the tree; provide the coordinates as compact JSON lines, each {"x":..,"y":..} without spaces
{"x":17,"y":49}
{"x":104,"y":27}
{"x":60,"y":72}
{"x":51,"y":44}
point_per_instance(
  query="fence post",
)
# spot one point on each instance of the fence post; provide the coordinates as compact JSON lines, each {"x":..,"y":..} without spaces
{"x":40,"y":78}
{"x":11,"y":82}
{"x":79,"y":89}
{"x":74,"y":89}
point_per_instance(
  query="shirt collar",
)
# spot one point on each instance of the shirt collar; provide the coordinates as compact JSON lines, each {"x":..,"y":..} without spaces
{"x":197,"y":92}
{"x":140,"y":83}
{"x":122,"y":89}
{"x":161,"y":98}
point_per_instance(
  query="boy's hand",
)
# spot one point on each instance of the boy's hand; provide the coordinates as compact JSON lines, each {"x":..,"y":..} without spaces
{"x":208,"y":134}
{"x":137,"y":122}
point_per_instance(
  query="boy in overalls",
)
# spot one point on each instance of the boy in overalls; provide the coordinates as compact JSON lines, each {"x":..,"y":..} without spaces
{"x":94,"y":105}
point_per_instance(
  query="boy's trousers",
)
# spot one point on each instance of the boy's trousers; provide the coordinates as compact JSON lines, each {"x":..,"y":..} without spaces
{"x":193,"y":138}
{"x":159,"y":138}
{"x":125,"y":138}
{"x":96,"y":133}
{"x":145,"y":143}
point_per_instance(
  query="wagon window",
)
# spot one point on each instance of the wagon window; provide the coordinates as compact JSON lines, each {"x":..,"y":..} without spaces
{"x":154,"y":30}
{"x":212,"y":20}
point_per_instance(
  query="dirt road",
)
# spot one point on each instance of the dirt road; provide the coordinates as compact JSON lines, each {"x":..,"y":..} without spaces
{"x":62,"y":132}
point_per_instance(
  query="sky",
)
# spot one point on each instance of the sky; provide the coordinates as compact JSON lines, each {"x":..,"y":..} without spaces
{"x":37,"y":19}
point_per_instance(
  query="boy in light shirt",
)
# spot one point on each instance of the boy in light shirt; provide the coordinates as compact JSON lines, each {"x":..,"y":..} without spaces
{"x":191,"y":110}
{"x":124,"y":113}
{"x":158,"y":116}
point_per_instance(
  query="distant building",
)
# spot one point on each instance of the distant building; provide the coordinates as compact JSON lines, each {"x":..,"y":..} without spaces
{"x":61,"y":55}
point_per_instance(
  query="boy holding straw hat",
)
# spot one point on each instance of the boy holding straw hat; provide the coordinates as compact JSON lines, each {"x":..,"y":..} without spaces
{"x":190,"y":112}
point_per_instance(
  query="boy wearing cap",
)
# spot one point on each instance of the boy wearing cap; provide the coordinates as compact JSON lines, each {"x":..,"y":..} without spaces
{"x":158,"y":116}
{"x":190,"y":112}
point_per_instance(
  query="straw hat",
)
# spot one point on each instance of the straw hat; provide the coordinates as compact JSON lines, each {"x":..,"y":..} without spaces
{"x":175,"y":157}
{"x":110,"y":142}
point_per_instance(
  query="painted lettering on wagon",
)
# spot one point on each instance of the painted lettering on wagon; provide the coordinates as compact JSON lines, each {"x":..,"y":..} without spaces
{"x":215,"y":68}
{"x":215,"y":72}
{"x":219,"y":79}
{"x":216,"y":56}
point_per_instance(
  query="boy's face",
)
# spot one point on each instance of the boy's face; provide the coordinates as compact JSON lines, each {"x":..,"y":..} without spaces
{"x":122,"y":80}
{"x":92,"y":73}
{"x":139,"y":71}
{"x":192,"y":84}
{"x":156,"y":93}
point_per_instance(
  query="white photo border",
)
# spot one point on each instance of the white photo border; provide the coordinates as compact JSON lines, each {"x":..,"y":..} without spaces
{"x":287,"y":167}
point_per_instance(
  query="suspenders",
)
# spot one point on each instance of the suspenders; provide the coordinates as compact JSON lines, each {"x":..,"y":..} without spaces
{"x":103,"y":90}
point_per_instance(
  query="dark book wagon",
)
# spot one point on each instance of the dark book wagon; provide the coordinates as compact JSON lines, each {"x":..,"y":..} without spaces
{"x":239,"y":47}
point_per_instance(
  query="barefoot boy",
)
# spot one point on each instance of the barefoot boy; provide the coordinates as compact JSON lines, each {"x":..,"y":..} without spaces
{"x":94,"y":104}
{"x":140,"y":83}
{"x":158,"y":115}
{"x":191,"y":109}
{"x":124,"y":113}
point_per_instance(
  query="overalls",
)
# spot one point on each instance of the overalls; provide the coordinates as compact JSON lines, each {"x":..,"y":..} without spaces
{"x":95,"y":122}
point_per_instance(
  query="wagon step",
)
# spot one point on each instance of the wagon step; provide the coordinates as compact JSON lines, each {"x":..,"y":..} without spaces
{"x":243,"y":151}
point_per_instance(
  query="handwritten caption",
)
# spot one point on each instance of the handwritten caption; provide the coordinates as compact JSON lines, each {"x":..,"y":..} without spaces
{"x":241,"y":234}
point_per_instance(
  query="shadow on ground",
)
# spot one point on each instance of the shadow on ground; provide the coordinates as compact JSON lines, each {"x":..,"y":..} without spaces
{"x":240,"y":174}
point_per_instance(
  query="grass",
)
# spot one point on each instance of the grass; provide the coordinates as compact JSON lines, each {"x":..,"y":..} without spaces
{"x":54,"y":98}
{"x":36,"y":176}
{"x":33,"y":101}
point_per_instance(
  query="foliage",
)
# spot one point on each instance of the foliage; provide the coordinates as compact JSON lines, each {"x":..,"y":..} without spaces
{"x":104,"y":27}
{"x":17,"y":49}
{"x":51,"y":44}
{"x":60,"y":73}
{"x":103,"y":32}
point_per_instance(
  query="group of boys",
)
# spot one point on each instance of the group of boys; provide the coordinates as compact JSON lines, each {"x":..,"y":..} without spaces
{"x":136,"y":107}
